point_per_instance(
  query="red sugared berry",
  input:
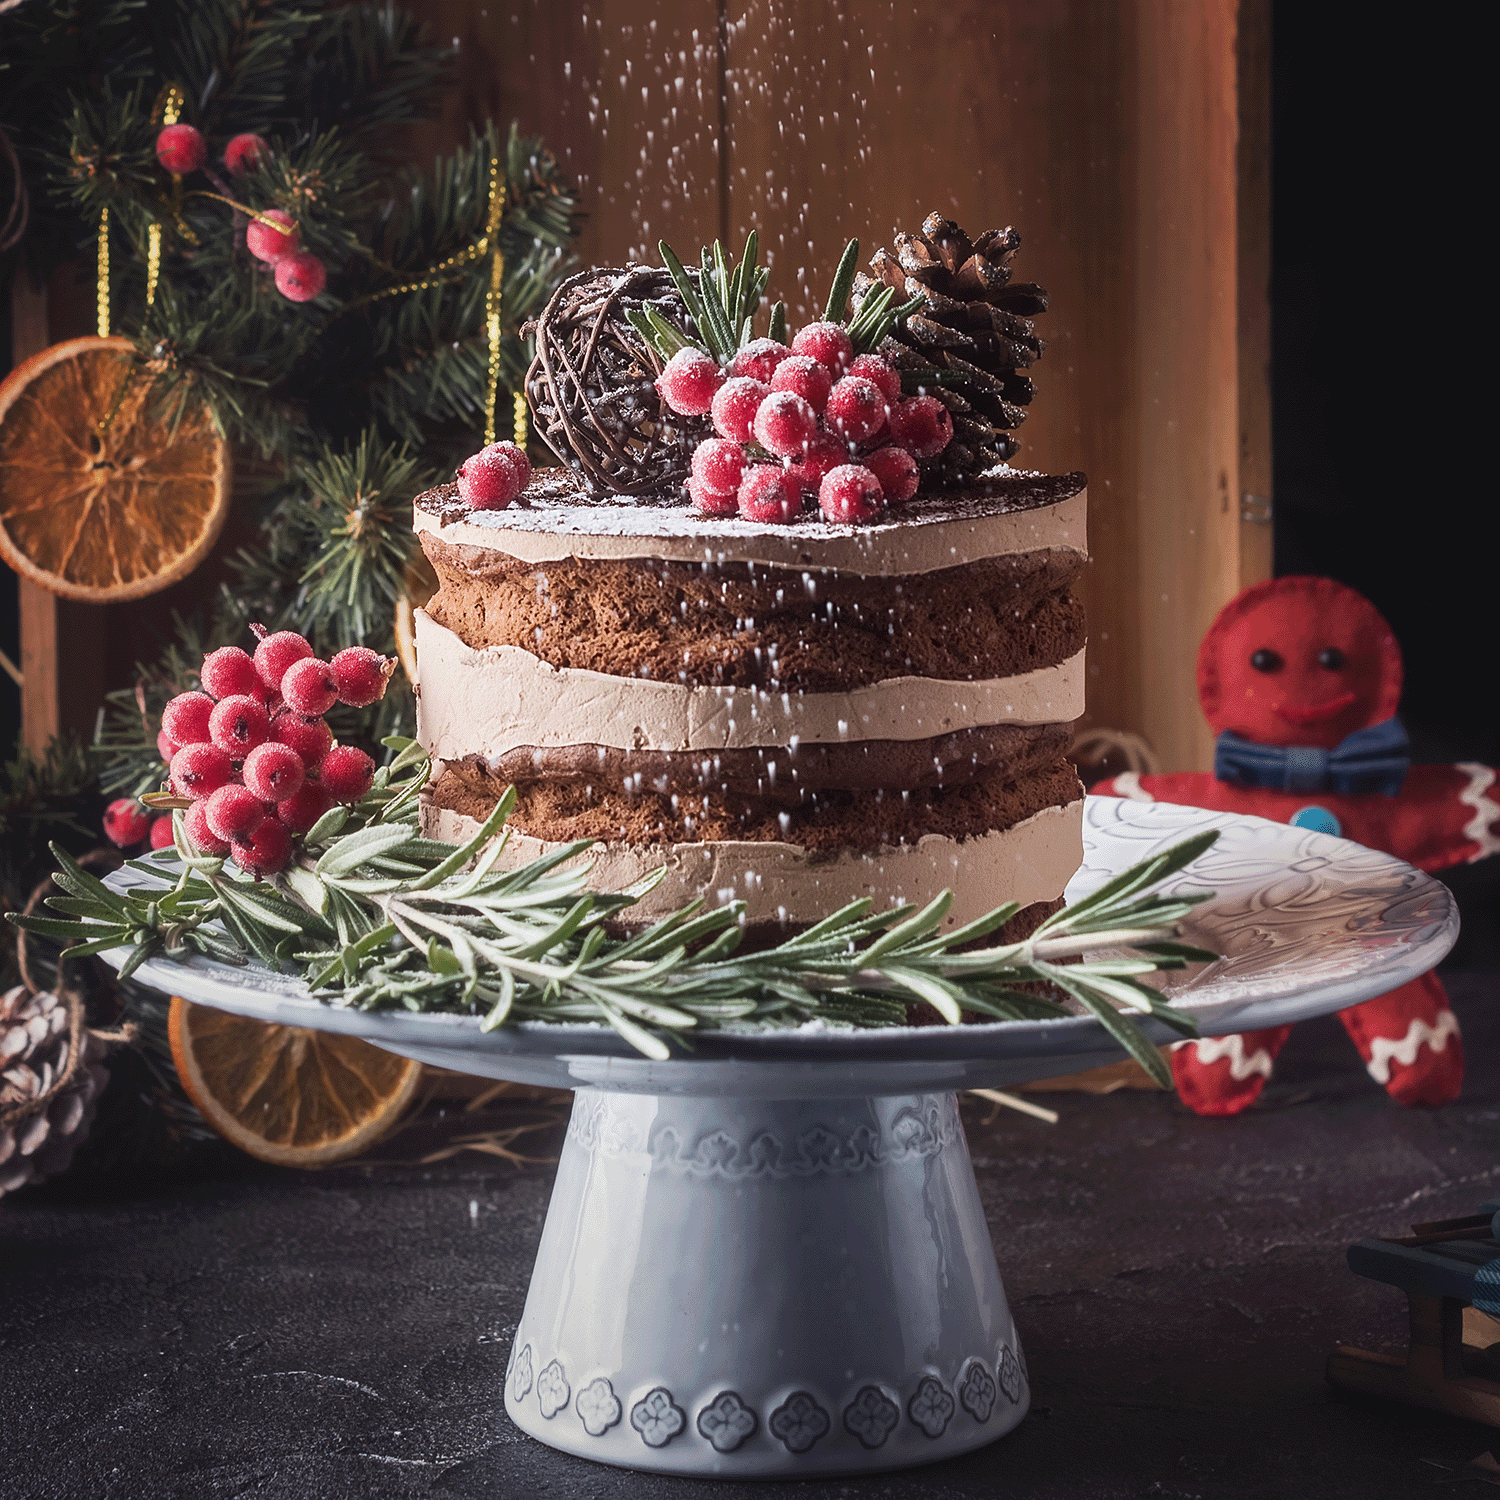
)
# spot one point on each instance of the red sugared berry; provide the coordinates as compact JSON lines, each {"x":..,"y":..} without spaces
{"x":245,"y":151}
{"x":897,"y":472}
{"x":228,"y":671}
{"x":276,"y":653}
{"x":850,"y":493}
{"x":238,"y":724}
{"x":161,"y":832}
{"x":688,"y":382}
{"x":825,"y":342}
{"x":273,"y":771}
{"x":921,"y":425}
{"x":125,"y":822}
{"x":181,"y":148}
{"x":785,"y":424}
{"x":184,"y":720}
{"x":735,"y":405}
{"x":301,"y":810}
{"x":856,"y":409}
{"x":347,"y":773}
{"x":718,"y":465}
{"x":274,"y":241}
{"x":232,"y":812}
{"x":825,"y":452}
{"x":805,"y":377}
{"x":198,"y":771}
{"x":166,"y":746}
{"x":307,"y":734}
{"x":265,"y":850}
{"x":493,"y":477}
{"x":758,"y":359}
{"x":362,"y":675}
{"x":712,"y":502}
{"x":885,"y":376}
{"x":300,"y":277}
{"x":769,"y":496}
{"x":199,"y":834}
{"x":309,"y":686}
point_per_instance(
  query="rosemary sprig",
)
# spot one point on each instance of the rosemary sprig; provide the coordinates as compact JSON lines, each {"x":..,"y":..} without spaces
{"x":375,"y":917}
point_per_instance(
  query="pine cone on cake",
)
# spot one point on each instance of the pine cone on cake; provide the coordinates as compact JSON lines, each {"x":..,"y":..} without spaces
{"x":974,"y":326}
{"x":49,"y":1085}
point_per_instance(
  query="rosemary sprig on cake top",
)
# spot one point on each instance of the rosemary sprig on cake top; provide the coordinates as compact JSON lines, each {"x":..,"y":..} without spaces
{"x":372,"y":916}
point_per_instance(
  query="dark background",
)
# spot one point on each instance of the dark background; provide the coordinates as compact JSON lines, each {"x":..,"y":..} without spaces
{"x":1378,"y":300}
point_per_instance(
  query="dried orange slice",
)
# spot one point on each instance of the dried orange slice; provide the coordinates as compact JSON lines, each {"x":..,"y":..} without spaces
{"x":286,"y":1094}
{"x":104,"y":515}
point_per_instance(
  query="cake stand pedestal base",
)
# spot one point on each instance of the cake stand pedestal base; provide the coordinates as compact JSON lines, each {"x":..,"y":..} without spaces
{"x":765,"y":1288}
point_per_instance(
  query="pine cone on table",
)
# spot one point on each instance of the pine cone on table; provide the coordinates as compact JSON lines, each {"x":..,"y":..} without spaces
{"x":49,"y":1085}
{"x":975,"y":326}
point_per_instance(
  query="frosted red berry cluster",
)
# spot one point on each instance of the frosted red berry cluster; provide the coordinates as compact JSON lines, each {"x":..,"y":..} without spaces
{"x":495,"y":476}
{"x":271,"y":236}
{"x":253,"y":752}
{"x":812,"y":419}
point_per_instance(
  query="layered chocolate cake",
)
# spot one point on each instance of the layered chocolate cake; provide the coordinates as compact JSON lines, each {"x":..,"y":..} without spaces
{"x":790,"y":715}
{"x":786,"y":624}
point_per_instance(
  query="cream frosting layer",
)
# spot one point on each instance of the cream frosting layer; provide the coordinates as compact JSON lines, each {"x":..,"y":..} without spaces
{"x":1031,"y":861}
{"x":922,"y":540}
{"x":487,"y":701}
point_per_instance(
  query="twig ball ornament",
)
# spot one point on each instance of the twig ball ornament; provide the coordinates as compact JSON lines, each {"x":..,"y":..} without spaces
{"x":181,"y":148}
{"x":592,"y":385}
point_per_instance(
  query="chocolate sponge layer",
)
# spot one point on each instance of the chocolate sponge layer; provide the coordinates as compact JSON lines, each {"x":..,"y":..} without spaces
{"x":826,"y":822}
{"x":743,"y":625}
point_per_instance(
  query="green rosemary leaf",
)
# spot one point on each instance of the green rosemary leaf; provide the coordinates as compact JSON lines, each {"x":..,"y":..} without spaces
{"x":777,"y":330}
{"x":357,"y":848}
{"x":329,"y":826}
{"x":1122,"y":1030}
{"x":843,"y":284}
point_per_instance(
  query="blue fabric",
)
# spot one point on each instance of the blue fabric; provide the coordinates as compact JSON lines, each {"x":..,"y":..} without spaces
{"x":1319,"y":819}
{"x":1369,"y":760}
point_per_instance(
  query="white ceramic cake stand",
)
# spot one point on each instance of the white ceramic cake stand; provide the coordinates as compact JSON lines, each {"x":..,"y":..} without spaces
{"x":769,"y":1258}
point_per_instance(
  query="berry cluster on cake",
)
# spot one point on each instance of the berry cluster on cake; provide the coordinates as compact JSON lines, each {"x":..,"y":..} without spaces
{"x":813,"y":659}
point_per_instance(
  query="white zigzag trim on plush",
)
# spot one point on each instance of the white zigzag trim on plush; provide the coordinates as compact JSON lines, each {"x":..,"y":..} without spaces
{"x":1128,"y":785}
{"x":1384,"y":1051}
{"x":1212,"y":1048}
{"x":1486,"y":809}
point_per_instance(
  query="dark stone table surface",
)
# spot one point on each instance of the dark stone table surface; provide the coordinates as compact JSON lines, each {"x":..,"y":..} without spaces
{"x":234,"y":1330}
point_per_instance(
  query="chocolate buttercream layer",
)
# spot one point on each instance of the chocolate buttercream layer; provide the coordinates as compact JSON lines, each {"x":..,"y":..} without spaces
{"x":830,"y":822}
{"x":788,"y":777}
{"x":746,"y":625}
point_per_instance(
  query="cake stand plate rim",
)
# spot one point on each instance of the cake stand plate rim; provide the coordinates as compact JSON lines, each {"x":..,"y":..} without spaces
{"x":1309,"y":924}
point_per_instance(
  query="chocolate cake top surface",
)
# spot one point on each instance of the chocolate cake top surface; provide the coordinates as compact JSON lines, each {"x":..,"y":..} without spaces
{"x":1012,"y":510}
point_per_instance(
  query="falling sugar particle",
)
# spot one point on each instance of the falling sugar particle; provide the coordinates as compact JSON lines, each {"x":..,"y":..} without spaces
{"x":474,"y":1212}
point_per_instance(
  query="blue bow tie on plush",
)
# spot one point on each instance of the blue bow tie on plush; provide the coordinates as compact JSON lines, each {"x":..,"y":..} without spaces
{"x":1369,"y":760}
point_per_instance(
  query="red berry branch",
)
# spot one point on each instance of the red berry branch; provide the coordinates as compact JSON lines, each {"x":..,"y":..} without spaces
{"x":812,"y":419}
{"x":271,"y":236}
{"x":251,"y":759}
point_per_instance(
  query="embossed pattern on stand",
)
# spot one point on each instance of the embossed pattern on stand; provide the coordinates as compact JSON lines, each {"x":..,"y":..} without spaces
{"x":600,"y":1125}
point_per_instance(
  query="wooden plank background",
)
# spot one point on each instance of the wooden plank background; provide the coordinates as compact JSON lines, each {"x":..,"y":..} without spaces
{"x":1112,"y":133}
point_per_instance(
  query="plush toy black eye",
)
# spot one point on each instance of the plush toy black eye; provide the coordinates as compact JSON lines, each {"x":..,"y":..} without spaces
{"x":1266,"y":661}
{"x":1331,"y":658}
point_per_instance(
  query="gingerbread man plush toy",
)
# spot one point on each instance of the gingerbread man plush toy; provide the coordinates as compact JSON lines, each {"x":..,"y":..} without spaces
{"x":1300,"y":679}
